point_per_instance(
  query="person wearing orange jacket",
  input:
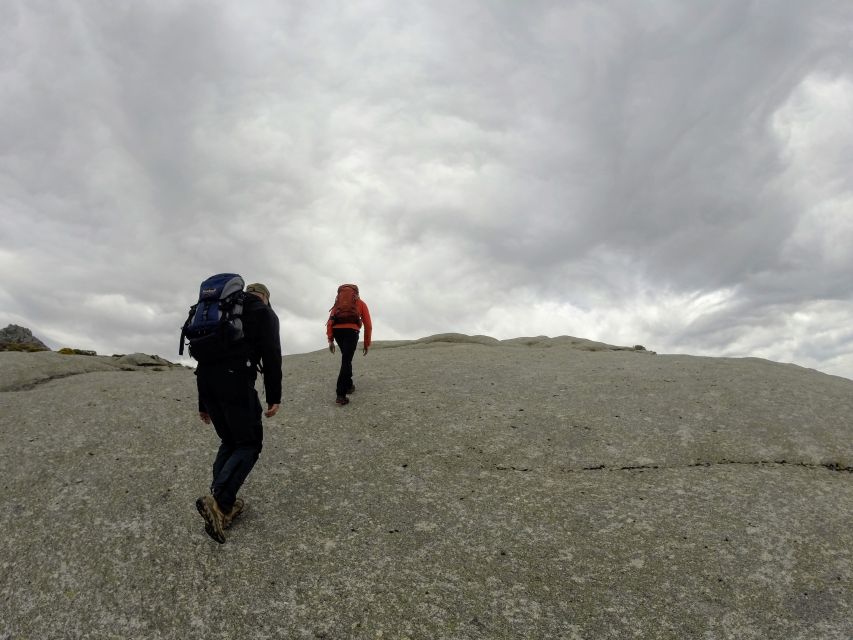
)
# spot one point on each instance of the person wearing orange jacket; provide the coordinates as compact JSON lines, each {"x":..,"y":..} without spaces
{"x":347,"y":316}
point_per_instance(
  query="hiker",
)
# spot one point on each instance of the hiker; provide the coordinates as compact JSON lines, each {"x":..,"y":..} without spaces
{"x":345,"y":320}
{"x":227,"y":398}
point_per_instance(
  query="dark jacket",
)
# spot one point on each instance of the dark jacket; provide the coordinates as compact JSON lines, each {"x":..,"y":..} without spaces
{"x":261,"y":328}
{"x":262,"y":344}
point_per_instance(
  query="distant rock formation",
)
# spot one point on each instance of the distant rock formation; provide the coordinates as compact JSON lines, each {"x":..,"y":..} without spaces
{"x":142,"y":360}
{"x":68,"y":351}
{"x":580,"y":344}
{"x":15,"y":338}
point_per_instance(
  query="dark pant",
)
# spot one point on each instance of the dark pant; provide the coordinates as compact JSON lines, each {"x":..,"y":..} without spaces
{"x":229,"y":397}
{"x":347,"y":340}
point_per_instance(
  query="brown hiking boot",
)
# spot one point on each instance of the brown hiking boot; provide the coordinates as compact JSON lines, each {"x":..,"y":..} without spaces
{"x":351,"y":389}
{"x":213,"y":517}
{"x":342,"y":400}
{"x":236,"y":510}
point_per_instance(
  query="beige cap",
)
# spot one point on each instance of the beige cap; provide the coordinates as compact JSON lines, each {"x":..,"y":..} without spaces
{"x":257,"y":287}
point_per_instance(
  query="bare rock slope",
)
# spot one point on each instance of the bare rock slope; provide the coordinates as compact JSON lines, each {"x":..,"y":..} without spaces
{"x":473,"y":488}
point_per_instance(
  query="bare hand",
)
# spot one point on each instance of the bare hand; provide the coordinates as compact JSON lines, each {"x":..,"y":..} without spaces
{"x":205,"y":417}
{"x":332,"y":347}
{"x":365,"y":351}
{"x":272,"y":409}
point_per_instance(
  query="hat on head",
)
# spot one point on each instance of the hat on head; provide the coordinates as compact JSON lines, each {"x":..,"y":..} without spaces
{"x":257,"y":287}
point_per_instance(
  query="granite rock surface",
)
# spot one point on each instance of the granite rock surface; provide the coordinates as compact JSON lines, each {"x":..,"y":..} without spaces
{"x":473,"y":488}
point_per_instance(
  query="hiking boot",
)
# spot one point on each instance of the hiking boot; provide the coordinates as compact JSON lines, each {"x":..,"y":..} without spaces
{"x":213,"y":517}
{"x":342,"y":400}
{"x":351,"y":389}
{"x":236,"y":510}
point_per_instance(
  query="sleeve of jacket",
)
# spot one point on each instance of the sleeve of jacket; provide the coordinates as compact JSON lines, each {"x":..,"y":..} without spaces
{"x":201,"y":407}
{"x":271,"y":356}
{"x":366,"y":323}
{"x":329,"y":335}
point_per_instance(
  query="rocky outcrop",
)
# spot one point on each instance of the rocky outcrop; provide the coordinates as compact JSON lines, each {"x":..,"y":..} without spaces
{"x":143,"y":360}
{"x":26,"y":371}
{"x":16,"y":338}
{"x":447,"y":339}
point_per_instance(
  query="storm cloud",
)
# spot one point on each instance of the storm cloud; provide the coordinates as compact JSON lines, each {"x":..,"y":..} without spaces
{"x":672,"y":174}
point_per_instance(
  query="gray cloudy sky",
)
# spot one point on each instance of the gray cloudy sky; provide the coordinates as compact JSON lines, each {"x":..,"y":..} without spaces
{"x":677,"y":174}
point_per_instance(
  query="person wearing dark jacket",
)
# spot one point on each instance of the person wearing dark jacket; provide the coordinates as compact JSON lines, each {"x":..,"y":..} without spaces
{"x":227,"y":398}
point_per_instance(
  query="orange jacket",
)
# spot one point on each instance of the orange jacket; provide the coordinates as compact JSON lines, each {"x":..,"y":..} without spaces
{"x":364,"y":312}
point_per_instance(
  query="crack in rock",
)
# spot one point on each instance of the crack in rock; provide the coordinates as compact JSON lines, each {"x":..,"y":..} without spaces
{"x":29,"y":386}
{"x":831,"y":466}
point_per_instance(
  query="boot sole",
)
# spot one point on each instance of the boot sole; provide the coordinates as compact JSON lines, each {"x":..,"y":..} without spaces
{"x":209,"y":526}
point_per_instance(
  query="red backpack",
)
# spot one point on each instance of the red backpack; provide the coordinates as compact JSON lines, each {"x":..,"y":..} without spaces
{"x":345,"y":309}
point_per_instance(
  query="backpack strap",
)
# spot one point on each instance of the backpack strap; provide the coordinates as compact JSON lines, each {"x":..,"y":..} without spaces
{"x":184,"y":329}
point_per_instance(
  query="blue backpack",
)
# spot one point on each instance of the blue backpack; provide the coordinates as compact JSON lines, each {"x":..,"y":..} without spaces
{"x":214,"y":326}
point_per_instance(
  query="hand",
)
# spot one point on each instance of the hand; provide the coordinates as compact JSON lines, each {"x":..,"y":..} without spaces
{"x":332,"y":347}
{"x":205,"y":417}
{"x":365,"y":350}
{"x":272,"y":409}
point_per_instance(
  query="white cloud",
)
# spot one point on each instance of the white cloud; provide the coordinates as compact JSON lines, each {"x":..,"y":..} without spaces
{"x":817,"y":137}
{"x":673,"y":174}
